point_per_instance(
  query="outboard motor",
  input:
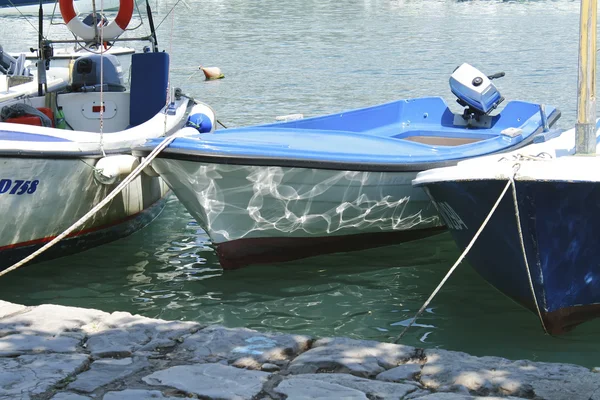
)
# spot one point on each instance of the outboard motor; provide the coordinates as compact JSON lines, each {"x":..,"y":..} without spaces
{"x":85,"y":76}
{"x":475,"y":92}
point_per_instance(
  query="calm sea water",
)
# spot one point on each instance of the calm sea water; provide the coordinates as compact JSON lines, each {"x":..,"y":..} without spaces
{"x":312,"y":57}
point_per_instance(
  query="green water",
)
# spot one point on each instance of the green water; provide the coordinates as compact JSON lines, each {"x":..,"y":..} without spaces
{"x":169,"y":271}
{"x":313,"y":57}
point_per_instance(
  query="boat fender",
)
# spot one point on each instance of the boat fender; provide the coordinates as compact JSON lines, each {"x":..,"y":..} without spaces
{"x":200,"y":121}
{"x":110,"y":168}
{"x":149,"y":170}
{"x":113,"y":30}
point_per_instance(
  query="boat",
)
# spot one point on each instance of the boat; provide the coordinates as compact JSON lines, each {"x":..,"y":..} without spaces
{"x":539,"y":246}
{"x":63,"y":151}
{"x":341,"y":182}
{"x":30,"y":7}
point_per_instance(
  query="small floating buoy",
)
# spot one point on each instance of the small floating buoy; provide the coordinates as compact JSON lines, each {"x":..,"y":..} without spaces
{"x":212,"y":72}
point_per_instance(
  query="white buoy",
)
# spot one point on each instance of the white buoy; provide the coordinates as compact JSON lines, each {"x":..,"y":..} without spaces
{"x":212,"y":72}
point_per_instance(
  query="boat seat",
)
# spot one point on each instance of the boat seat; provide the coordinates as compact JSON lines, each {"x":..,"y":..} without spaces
{"x":149,"y":83}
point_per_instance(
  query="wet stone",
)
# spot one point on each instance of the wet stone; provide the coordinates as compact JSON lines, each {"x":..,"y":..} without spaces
{"x":364,"y":358}
{"x":35,"y":374}
{"x":301,"y":388}
{"x":7,"y":309}
{"x":122,"y":334}
{"x":400,"y":373}
{"x":247,"y":363}
{"x":69,"y":396}
{"x":417,"y":394}
{"x":105,"y":371}
{"x":373,"y":389}
{"x":445,"y":370}
{"x":19,"y":344}
{"x":268,"y":367}
{"x":46,"y":328}
{"x":460,"y":396}
{"x":217,"y":343}
{"x":137,"y":394}
{"x":211,"y":380}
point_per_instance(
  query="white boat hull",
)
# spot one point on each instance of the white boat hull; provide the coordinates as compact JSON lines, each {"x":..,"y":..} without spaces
{"x":40,"y":198}
{"x":257,"y":214}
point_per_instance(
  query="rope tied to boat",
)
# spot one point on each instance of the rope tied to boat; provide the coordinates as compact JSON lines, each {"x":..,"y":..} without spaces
{"x":522,"y":242}
{"x":510,"y":182}
{"x":543,"y":156}
{"x":134,"y":174}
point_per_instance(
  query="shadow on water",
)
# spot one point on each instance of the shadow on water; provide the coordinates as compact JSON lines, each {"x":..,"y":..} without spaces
{"x":170,"y":271}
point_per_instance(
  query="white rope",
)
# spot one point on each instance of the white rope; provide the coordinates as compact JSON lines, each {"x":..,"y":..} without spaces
{"x":94,"y":210}
{"x":102,"y":77}
{"x":518,"y":217}
{"x":462,"y":256}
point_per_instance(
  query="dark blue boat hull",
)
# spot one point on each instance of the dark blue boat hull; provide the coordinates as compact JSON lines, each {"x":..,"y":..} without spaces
{"x":560,"y":222}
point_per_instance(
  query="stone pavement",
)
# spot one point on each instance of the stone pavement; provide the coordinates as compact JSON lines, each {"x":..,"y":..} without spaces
{"x":68,"y":353}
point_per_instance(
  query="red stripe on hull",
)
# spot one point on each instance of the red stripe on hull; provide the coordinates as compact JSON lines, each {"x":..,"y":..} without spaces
{"x":83,"y":231}
{"x":243,"y":252}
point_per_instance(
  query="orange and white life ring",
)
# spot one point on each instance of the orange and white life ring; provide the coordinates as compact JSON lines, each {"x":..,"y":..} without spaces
{"x":113,"y":30}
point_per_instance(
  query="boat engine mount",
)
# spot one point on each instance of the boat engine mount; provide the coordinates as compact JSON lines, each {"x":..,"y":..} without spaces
{"x":476,"y":92}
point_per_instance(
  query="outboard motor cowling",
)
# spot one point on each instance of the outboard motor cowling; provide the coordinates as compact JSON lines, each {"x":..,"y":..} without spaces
{"x":475,"y":91}
{"x":85,"y":75}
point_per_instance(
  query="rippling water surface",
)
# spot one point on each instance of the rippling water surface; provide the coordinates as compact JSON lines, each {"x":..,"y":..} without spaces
{"x":313,"y":57}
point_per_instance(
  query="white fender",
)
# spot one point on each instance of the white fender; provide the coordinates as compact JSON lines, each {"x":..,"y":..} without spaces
{"x":149,"y":170}
{"x":110,"y":168}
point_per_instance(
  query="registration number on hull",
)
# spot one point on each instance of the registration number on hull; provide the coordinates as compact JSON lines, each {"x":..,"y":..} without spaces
{"x":18,"y":186}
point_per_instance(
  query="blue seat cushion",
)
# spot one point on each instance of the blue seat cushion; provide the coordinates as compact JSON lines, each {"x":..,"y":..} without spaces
{"x":149,"y":82}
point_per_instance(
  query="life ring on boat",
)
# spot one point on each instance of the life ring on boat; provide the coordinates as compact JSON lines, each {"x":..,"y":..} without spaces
{"x":113,"y":30}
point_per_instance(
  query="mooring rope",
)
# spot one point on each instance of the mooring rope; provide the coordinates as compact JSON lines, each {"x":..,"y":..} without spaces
{"x":460,"y":259}
{"x":101,"y":71}
{"x":167,"y":140}
{"x":522,"y":242}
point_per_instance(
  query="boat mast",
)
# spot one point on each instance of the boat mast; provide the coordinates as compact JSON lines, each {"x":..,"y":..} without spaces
{"x":585,"y":129}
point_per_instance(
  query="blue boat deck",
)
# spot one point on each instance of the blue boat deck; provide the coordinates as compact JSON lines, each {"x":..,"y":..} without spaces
{"x":410,"y":134}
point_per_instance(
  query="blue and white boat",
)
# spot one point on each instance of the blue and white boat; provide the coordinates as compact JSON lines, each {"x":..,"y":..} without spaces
{"x":340,"y":182}
{"x":63,"y":151}
{"x":540,"y":246}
